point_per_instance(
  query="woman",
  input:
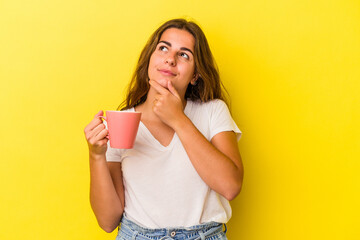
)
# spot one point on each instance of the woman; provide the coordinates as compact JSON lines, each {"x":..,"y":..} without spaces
{"x":185,"y":167}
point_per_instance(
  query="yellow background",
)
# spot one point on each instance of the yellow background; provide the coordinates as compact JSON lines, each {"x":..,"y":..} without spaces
{"x":292,"y":69}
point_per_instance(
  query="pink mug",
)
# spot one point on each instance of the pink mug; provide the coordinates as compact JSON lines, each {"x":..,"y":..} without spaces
{"x":122,"y":127}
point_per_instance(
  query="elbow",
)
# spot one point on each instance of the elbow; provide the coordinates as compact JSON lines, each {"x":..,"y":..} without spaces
{"x":109,"y":224}
{"x":231,"y":195}
{"x":233,"y":192}
{"x":234,"y":187}
{"x":108,"y":227}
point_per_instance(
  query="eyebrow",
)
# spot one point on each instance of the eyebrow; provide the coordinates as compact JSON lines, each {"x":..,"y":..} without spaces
{"x":182,"y":48}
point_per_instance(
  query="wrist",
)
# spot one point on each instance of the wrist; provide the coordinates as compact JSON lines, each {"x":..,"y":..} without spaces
{"x":97,"y":157}
{"x":181,"y":122}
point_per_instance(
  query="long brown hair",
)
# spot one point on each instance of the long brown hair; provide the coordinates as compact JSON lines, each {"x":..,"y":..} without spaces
{"x":208,"y":85}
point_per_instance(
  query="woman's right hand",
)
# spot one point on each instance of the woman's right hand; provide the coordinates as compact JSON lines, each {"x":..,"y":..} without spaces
{"x":97,"y":136}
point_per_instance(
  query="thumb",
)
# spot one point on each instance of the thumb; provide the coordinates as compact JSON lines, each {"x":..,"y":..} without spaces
{"x":172,"y":89}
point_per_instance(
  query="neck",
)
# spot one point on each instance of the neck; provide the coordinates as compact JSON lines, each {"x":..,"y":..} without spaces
{"x":146,"y":107}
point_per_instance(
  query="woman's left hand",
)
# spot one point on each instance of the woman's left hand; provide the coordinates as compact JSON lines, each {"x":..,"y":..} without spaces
{"x":167,"y":104}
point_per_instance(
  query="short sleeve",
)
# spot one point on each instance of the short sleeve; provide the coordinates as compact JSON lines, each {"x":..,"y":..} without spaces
{"x":113,"y":154}
{"x":221,"y":120}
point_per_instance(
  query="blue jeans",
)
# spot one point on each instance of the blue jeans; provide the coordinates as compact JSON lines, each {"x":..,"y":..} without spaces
{"x":208,"y":231}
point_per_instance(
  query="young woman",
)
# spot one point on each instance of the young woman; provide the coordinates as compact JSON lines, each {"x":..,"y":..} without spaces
{"x":185,"y":167}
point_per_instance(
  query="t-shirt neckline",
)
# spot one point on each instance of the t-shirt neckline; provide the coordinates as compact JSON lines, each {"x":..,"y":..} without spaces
{"x":145,"y":131}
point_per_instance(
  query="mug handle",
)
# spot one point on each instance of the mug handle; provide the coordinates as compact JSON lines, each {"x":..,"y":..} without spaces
{"x":104,"y":120}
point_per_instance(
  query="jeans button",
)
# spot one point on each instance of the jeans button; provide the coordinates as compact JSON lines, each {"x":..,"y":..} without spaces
{"x":172,"y":234}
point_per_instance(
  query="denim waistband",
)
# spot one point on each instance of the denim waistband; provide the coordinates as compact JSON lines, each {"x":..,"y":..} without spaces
{"x":201,"y":230}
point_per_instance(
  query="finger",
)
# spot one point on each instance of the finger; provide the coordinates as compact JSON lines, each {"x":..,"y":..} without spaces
{"x":100,"y":113}
{"x":173,"y":90}
{"x":103,"y":142}
{"x":158,"y":97}
{"x":102,"y":135}
{"x":160,"y":89}
{"x":95,"y":131}
{"x":95,"y":122}
{"x":155,"y":102}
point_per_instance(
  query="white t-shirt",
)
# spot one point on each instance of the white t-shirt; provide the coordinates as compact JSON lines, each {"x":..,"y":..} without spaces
{"x":162,"y":188}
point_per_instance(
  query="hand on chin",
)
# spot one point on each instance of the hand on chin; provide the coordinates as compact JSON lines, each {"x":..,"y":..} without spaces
{"x":163,"y":82}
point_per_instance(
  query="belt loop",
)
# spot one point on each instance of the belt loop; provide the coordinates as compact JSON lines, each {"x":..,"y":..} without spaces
{"x":225,"y":228}
{"x":135,"y":233}
{"x":202,"y":235}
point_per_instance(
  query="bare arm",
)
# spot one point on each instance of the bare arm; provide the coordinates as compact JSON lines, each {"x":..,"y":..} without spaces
{"x":217,"y":162}
{"x":106,"y":186}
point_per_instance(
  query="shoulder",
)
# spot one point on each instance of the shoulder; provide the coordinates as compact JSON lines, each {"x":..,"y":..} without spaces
{"x":209,"y":105}
{"x":206,"y":110}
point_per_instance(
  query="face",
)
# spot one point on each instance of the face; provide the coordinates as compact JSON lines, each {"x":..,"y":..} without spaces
{"x":173,"y":60}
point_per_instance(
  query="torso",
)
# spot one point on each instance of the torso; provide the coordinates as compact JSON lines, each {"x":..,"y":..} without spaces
{"x":162,"y":187}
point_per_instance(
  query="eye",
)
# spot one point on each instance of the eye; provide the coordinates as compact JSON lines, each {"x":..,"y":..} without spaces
{"x":163,"y":48}
{"x":182,"y":54}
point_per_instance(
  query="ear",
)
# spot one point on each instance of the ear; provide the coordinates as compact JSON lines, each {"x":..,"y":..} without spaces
{"x":195,"y":78}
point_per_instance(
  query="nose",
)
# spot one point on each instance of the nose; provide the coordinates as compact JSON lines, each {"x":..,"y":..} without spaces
{"x":170,"y":59}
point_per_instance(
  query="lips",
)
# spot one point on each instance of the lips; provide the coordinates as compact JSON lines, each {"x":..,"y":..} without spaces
{"x":166,"y":72}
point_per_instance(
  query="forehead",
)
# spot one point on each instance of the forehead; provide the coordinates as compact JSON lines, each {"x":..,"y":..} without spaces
{"x":179,"y":38}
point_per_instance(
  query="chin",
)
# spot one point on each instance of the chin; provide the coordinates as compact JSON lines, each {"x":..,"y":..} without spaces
{"x":163,"y":82}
